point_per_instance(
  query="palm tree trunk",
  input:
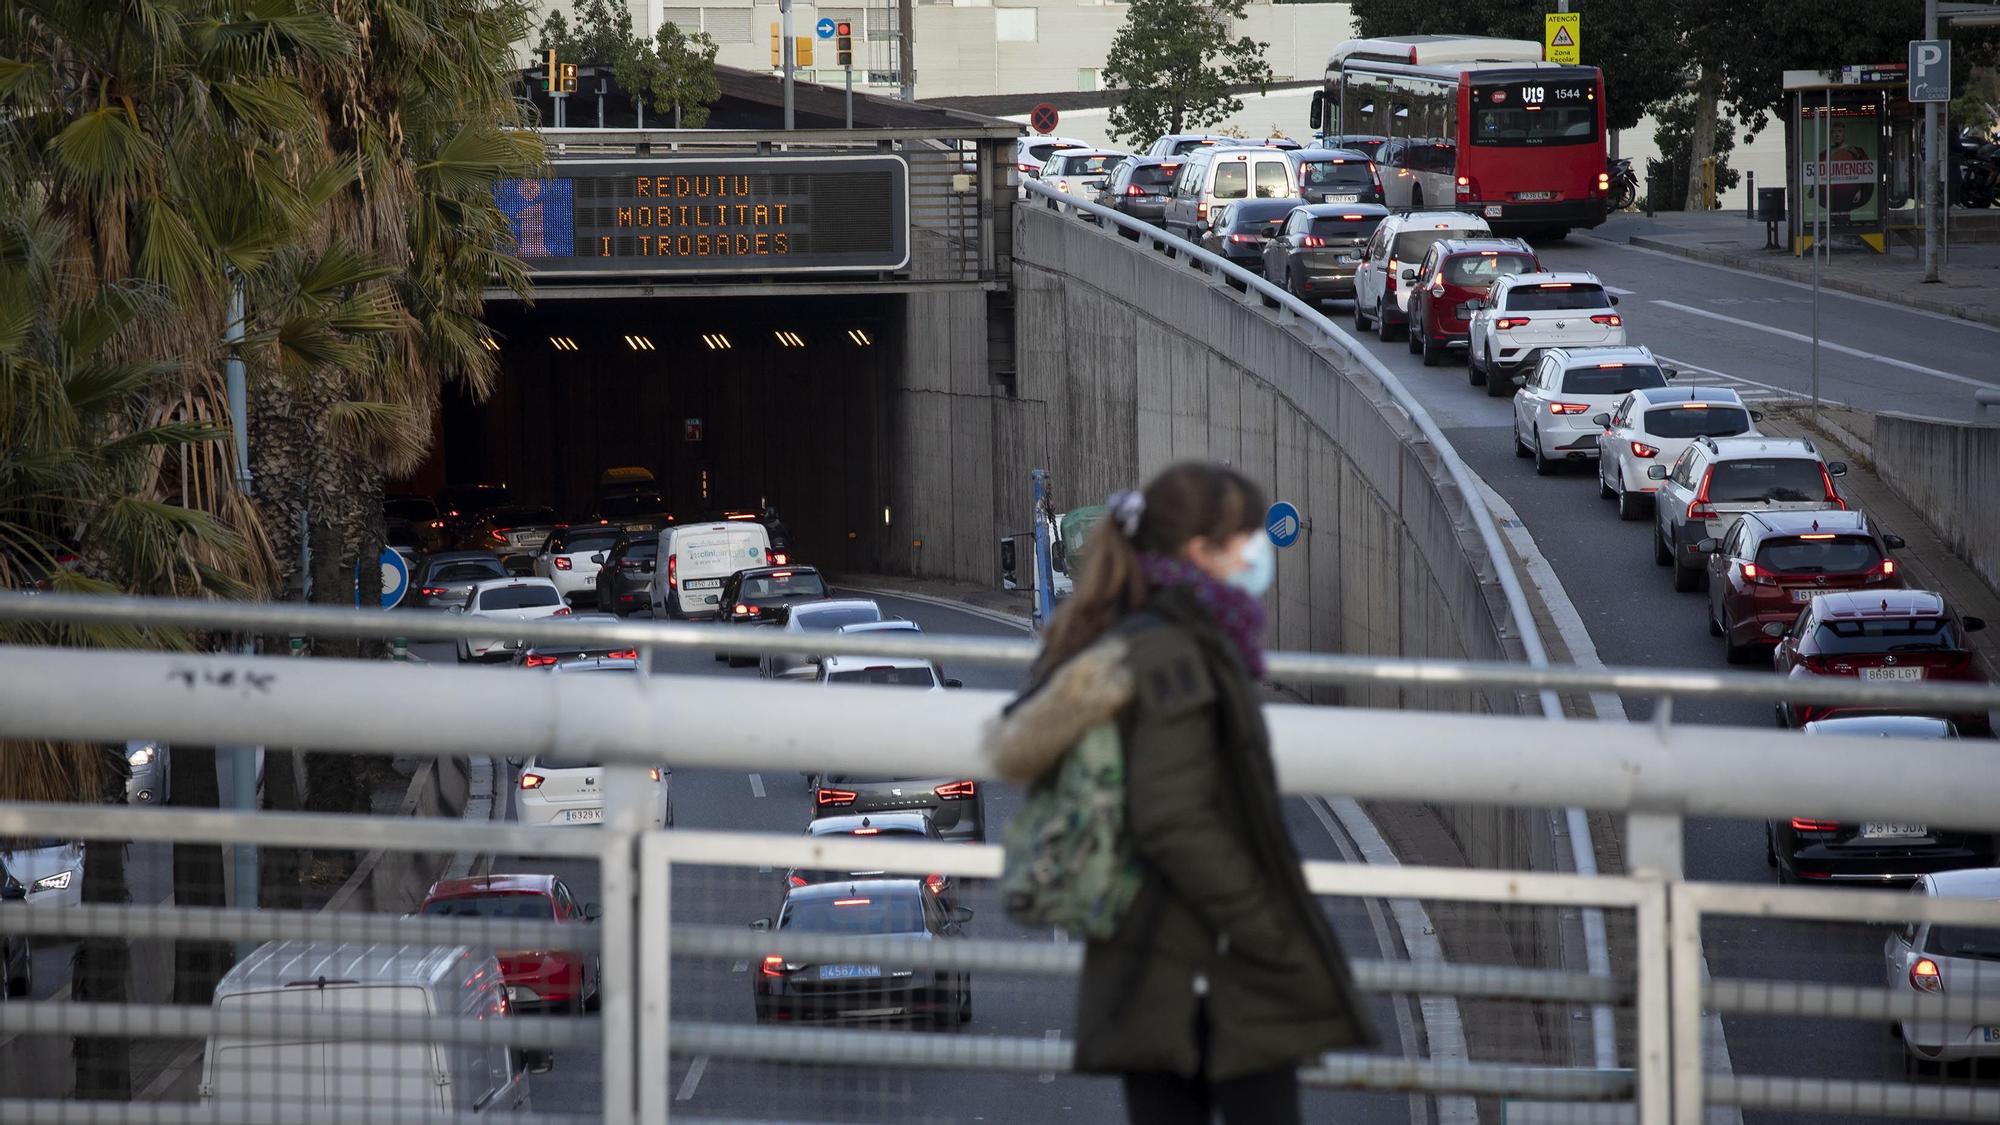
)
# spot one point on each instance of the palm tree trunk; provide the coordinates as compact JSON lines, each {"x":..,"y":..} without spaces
{"x":104,"y":1063}
{"x":198,"y":871}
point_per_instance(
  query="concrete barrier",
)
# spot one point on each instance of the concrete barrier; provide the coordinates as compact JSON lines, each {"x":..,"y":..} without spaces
{"x":1950,"y":473}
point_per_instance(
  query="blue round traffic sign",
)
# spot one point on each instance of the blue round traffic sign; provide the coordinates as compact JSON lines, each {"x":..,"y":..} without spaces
{"x":825,"y":28}
{"x":395,"y":578}
{"x":1282,"y":524}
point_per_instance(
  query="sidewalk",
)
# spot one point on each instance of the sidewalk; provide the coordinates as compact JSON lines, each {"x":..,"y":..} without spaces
{"x":1968,"y":287}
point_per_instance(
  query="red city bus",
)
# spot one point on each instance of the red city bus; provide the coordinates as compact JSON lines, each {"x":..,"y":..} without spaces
{"x":1473,"y":124}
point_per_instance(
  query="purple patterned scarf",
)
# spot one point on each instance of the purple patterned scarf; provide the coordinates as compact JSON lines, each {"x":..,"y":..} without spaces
{"x":1240,"y":616}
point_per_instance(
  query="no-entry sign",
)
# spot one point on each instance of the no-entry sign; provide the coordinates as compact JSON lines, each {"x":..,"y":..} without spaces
{"x":1043,"y":118}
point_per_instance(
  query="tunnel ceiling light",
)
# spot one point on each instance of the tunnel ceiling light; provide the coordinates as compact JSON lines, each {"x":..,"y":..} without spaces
{"x":716,"y":341}
{"x":563,"y":344}
{"x":860,"y":337}
{"x":790,"y":339}
{"x":639,"y":343}
{"x":489,"y":343}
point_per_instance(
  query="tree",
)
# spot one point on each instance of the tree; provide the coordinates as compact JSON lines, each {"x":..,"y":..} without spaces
{"x":673,"y":73}
{"x":1175,"y":64}
{"x":1677,"y":172}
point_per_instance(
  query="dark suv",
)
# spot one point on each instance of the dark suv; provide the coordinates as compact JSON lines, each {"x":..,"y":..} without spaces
{"x":1318,"y":249}
{"x":1453,"y":281}
{"x":1139,"y":187}
{"x":627,"y":574}
{"x":1240,"y":233}
{"x":1771,"y":563}
{"x":1336,"y":176}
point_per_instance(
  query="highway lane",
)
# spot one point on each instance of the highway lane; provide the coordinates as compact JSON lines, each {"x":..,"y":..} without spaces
{"x":778,"y":801}
{"x":1634,"y":617}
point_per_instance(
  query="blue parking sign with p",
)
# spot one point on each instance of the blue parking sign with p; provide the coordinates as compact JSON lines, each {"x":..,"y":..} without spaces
{"x":1282,"y":524}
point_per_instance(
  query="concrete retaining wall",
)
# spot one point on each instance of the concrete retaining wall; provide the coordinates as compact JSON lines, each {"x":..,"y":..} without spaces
{"x":1951,"y":474}
{"x":1129,"y":361}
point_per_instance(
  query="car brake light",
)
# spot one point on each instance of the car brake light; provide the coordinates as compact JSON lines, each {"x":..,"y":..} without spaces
{"x":1808,"y":824}
{"x":498,"y":534}
{"x":655,"y":772}
{"x":1242,"y":239}
{"x":1201,"y":209}
{"x":532,"y":780}
{"x":431,"y":591}
{"x":1698,"y":508}
{"x":672,"y":567}
{"x":1604,"y":181}
{"x":1887,"y":567}
{"x":852,"y":901}
{"x":1924,"y":976}
{"x":746,"y":610}
{"x":1312,"y":241}
{"x":957,"y":790}
{"x":561,"y":611}
{"x":538,"y":660}
{"x":437,"y":523}
{"x":867,"y":832}
{"x":833,"y":796}
{"x":1568,"y":407}
{"x":774,"y":965}
{"x":1467,"y":189}
{"x":1754,"y":573}
{"x":623,"y":654}
{"x":1506,"y":322}
{"x":1134,"y":189}
{"x":935,"y":883}
{"x":1832,"y":497}
{"x":796,"y":880}
{"x":562,"y":562}
{"x":1612,"y":320}
{"x":1641,"y":449}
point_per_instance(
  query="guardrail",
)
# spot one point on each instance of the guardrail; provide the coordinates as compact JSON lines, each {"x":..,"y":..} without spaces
{"x":1655,"y":773}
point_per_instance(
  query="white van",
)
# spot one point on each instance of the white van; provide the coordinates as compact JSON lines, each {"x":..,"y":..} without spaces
{"x":696,"y":558}
{"x":280,"y":1078}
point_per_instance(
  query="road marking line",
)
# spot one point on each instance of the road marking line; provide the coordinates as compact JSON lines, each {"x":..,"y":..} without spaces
{"x":757,"y":784}
{"x":740,"y":967}
{"x":695,"y":1070}
{"x":1052,"y":1035}
{"x":1843,"y":349}
{"x":1617,"y":292}
{"x":1772,"y":390}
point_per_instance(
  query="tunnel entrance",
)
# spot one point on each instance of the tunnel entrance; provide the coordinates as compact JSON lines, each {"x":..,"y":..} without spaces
{"x":731,"y":402}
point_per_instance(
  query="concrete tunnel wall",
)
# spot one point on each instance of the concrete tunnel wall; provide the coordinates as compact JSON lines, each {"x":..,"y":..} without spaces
{"x":1128,"y":361}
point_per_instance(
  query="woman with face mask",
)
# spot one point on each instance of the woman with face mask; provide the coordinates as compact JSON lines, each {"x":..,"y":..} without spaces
{"x":1223,"y":974}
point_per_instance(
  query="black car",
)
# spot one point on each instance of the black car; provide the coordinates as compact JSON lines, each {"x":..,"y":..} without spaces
{"x":954,"y":804}
{"x":445,"y":579}
{"x":915,"y":827}
{"x":1336,"y":176}
{"x":425,"y":522}
{"x":1139,"y":188}
{"x":1816,"y":849}
{"x":459,"y":504}
{"x":1318,"y":249}
{"x":568,"y":652}
{"x":761,"y":595}
{"x":636,"y":511}
{"x":1241,"y":231}
{"x":795,"y":990}
{"x":510,"y":531}
{"x":627,"y":574}
{"x":16,"y":955}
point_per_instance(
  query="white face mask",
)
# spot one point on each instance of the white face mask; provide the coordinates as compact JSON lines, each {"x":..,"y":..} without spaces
{"x":1260,"y":566}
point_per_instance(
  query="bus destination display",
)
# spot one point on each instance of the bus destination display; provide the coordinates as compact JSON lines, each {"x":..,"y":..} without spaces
{"x":746,"y":214}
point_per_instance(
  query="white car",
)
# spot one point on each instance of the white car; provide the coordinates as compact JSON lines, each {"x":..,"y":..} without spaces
{"x":501,"y":600}
{"x":1652,"y":427}
{"x":51,"y":871}
{"x":814,"y":617}
{"x":1030,"y":153}
{"x":1555,"y":413}
{"x":1528,"y":313}
{"x":1387,"y":274}
{"x":1942,"y":959}
{"x":883,"y":671}
{"x":570,"y":558}
{"x":566,"y":790}
{"x":1081,"y":172}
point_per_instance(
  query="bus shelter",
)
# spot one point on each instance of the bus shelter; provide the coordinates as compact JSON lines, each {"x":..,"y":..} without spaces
{"x":1851,"y":151}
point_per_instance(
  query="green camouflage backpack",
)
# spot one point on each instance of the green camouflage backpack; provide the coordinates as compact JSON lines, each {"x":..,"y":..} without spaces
{"x":1068,"y":862}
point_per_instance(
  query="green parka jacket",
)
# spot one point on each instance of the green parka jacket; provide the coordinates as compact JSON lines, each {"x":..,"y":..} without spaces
{"x":1223,"y":919}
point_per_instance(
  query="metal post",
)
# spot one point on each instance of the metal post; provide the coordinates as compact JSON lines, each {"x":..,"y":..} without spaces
{"x":242,"y":759}
{"x":627,"y":819}
{"x":1045,"y":575}
{"x":848,"y":74}
{"x":1823,"y":228}
{"x":1750,"y":194}
{"x":1944,"y":185}
{"x":655,"y":885}
{"x":785,"y":53}
{"x":1931,"y":154}
{"x":906,"y":39}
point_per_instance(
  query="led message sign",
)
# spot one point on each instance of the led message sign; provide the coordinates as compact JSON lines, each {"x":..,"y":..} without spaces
{"x":712,"y":215}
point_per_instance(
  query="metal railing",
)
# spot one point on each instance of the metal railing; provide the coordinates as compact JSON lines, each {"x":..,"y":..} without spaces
{"x":1656,"y":773}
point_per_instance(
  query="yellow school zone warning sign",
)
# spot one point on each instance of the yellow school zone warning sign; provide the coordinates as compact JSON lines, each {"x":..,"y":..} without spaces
{"x":1562,"y":34}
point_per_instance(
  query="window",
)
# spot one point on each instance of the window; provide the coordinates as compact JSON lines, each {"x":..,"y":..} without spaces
{"x":1153,"y":176}
{"x":1612,"y":380}
{"x":726,"y":25}
{"x":1086,"y":77}
{"x":519,"y":597}
{"x":1518,"y":127}
{"x":887,"y":674}
{"x":1232,"y":180}
{"x":783,"y":585}
{"x":1778,"y":479}
{"x":1481,"y":270}
{"x":509,"y":905}
{"x":1098,"y":165}
{"x":476,"y":570}
{"x":858,"y":914}
{"x":1683,"y":473}
{"x":1411,"y":246}
{"x":827,"y":620}
{"x":1272,"y":180}
{"x":1335,"y":175}
{"x":1557,"y":297}
{"x":1886,"y":634}
{"x":588,"y":539}
{"x":1333,"y":226}
{"x":1014,"y":25}
{"x":1680,"y":422}
{"x":1819,"y":556}
{"x":687,"y":19}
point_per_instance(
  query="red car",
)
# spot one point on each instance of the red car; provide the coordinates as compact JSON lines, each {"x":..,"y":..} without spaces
{"x":1771,"y":563}
{"x":1878,"y":636}
{"x":1456,"y":273}
{"x":542,"y":978}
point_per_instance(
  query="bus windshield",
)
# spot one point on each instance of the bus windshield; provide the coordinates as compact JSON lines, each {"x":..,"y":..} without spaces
{"x":1535,"y":113}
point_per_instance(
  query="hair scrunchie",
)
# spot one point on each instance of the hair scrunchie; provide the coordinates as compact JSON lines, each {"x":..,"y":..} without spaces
{"x":1127,"y":507}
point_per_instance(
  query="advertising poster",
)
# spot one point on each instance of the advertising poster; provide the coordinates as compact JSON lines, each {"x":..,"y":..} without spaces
{"x":1839,"y":170}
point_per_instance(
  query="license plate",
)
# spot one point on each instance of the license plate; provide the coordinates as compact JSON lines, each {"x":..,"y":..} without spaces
{"x":590,"y":579}
{"x":1896,"y":674}
{"x":583,"y":816}
{"x":1891,"y":831}
{"x":641,"y":527}
{"x":1492,"y":210}
{"x":1989,"y":1034}
{"x":1801,"y":597}
{"x":849,"y":972}
{"x":1534,"y":195}
{"x":703,"y":584}
{"x":1343,"y":199}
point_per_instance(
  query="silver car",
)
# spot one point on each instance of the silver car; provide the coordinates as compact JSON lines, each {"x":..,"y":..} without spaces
{"x":1947,"y":959}
{"x":51,"y":871}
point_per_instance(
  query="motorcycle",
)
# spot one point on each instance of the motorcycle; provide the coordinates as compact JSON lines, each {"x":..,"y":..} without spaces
{"x":1624,"y":183}
{"x":1975,"y":179}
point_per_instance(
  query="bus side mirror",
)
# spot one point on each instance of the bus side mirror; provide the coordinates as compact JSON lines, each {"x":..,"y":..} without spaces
{"x":1317,"y":117}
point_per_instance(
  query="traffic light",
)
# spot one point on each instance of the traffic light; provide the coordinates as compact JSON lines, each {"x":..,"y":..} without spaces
{"x":569,"y":78}
{"x":802,"y":53}
{"x":552,"y":79}
{"x":843,"y":37}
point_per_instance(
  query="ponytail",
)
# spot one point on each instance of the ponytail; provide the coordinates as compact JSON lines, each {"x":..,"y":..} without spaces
{"x":1187,"y":500}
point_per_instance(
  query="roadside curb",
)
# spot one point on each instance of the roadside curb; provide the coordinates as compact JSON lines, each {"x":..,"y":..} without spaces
{"x":1892,"y":294}
{"x":998,"y":617}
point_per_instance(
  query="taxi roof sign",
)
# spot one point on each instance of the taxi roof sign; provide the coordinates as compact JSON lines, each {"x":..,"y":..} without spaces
{"x":1562,"y":37}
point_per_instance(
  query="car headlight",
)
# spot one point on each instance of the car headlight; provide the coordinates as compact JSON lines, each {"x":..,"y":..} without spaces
{"x":141,"y":755}
{"x":56,"y":882}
